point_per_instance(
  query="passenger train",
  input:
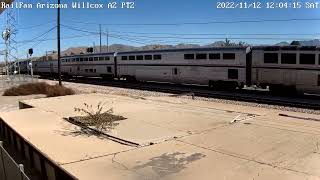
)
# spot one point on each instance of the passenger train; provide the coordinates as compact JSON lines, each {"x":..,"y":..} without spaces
{"x":279,"y":68}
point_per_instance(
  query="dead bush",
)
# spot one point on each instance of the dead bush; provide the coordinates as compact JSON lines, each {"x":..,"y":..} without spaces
{"x":38,"y":88}
{"x":57,"y":90}
{"x":101,"y":120}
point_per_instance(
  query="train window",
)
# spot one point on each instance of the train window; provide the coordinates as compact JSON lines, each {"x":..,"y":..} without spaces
{"x":229,"y":56}
{"x":73,"y":59}
{"x":91,"y":70}
{"x":85,"y":59}
{"x":140,"y":57}
{"x":318,"y":79}
{"x":86,"y":70}
{"x":201,"y":56}
{"x":214,"y":56}
{"x":307,"y":59}
{"x":148,"y":57}
{"x":81,"y":59}
{"x":107,"y":58}
{"x":188,"y":56}
{"x":90,"y":58}
{"x":175,"y":71}
{"x":232,"y":73}
{"x":271,"y":58}
{"x":157,"y":57}
{"x":132,"y":58}
{"x":77,"y":59}
{"x":288,"y":58}
{"x":96,"y":59}
{"x":94,"y":70}
{"x":70,"y":70}
{"x":109,"y":70}
{"x":101,"y":58}
{"x":124,"y":57}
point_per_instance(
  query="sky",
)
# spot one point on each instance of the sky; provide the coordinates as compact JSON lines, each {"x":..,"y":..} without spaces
{"x":159,"y":22}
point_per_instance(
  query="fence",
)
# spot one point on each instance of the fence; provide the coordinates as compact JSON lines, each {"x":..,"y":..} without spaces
{"x":9,"y":169}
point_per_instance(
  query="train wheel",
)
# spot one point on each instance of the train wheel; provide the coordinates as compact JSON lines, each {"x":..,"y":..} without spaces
{"x":282,"y":90}
{"x":131,"y":79}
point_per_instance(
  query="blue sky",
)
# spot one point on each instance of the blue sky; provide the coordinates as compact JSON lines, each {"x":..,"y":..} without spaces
{"x":159,"y":12}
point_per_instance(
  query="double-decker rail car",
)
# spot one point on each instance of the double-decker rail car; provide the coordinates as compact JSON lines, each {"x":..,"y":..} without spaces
{"x":282,"y":69}
{"x":24,"y":66}
{"x":45,"y":68}
{"x":89,"y":65}
{"x":287,"y":69}
{"x":202,"y":66}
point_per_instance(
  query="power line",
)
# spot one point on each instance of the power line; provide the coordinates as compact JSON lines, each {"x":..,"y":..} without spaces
{"x":81,"y":30}
{"x":200,"y":38}
{"x":126,"y":39}
{"x":51,"y":39}
{"x":148,"y":41}
{"x":34,"y":26}
{"x":200,"y":23}
{"x":220,"y":34}
{"x":208,"y":38}
{"x":36,"y":44}
{"x":39,"y":36}
{"x":142,"y":39}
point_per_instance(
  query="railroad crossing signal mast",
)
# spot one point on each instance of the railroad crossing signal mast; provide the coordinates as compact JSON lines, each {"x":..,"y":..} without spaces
{"x":30,"y":52}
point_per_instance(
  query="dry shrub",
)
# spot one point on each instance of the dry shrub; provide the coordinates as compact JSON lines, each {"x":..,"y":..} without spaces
{"x":38,"y":88}
{"x":101,"y":120}
{"x":56,"y":90}
{"x":26,"y":89}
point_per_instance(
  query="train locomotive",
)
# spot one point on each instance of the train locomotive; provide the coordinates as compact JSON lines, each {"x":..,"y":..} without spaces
{"x":279,"y":68}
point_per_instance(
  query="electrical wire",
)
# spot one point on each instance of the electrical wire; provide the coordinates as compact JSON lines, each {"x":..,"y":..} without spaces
{"x":220,"y":34}
{"x":35,"y":26}
{"x":199,"y":23}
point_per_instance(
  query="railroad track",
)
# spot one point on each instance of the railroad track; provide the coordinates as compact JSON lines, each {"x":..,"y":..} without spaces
{"x":261,"y":97}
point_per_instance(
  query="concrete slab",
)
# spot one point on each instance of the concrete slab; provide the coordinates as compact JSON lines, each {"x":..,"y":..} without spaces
{"x":59,"y":140}
{"x":207,"y":145}
{"x":149,"y":120}
{"x":266,"y":145}
{"x":176,"y":160}
{"x":11,"y":103}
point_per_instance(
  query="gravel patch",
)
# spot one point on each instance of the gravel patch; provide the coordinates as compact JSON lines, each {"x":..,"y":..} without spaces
{"x":89,"y":88}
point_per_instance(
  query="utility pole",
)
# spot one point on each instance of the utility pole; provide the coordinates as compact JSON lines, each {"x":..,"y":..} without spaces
{"x":107,"y":40}
{"x":58,"y":44}
{"x":100,"y":38}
